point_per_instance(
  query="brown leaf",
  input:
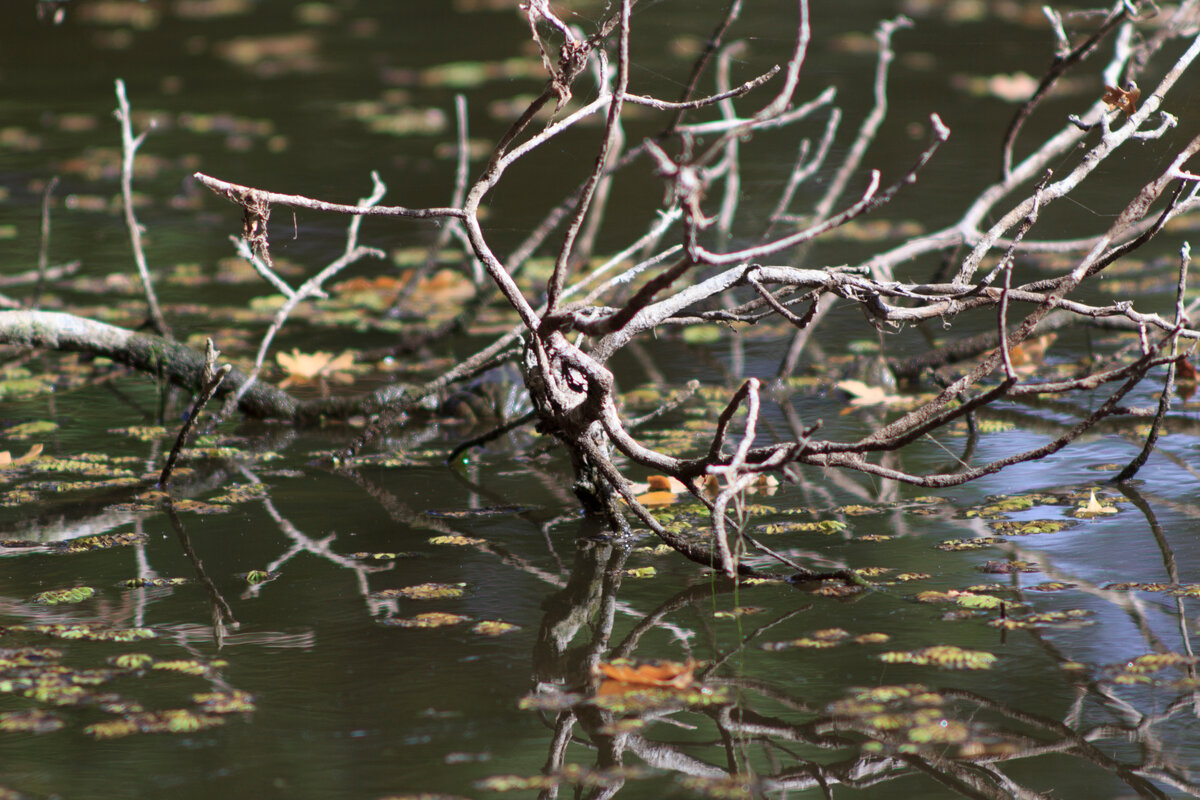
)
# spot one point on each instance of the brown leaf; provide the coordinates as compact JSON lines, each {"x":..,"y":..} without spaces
{"x":1122,"y":99}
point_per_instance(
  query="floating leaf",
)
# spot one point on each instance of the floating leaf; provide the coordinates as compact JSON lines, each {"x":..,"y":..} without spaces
{"x":494,"y":627}
{"x":1028,"y":355}
{"x":95,"y":634}
{"x":425,"y":591}
{"x":230,"y":702}
{"x":240,"y":493}
{"x":640,"y":572}
{"x":872,"y":638}
{"x":33,"y":721}
{"x":103,"y":541}
{"x":112,"y":729}
{"x":944,"y":656}
{"x":457,"y":540}
{"x":307,"y":367}
{"x":27,"y":430}
{"x":1001,"y":505}
{"x":1153,"y":662}
{"x":651,"y":673}
{"x":1073,"y":617}
{"x":133,"y":660}
{"x":837,"y":589}
{"x":942,"y":731}
{"x":803,"y":641}
{"x":75,"y":595}
{"x":820,"y":526}
{"x":1031,"y":526}
{"x":512,"y":783}
{"x":738,"y":612}
{"x":144,"y":433}
{"x":862,"y":394}
{"x":732,"y":787}
{"x":978,"y":543}
{"x":1007,"y":567}
{"x":139,"y":583}
{"x":432,"y":619}
{"x":363,"y":556}
{"x":184,"y":666}
{"x":702,"y":334}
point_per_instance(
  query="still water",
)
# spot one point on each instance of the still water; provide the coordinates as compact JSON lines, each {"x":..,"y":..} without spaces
{"x":298,"y":657}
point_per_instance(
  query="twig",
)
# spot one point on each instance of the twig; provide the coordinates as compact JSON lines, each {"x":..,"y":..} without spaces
{"x":1063,"y":62}
{"x":213,"y":376}
{"x":129,"y":148}
{"x":44,"y":244}
{"x":611,"y":136}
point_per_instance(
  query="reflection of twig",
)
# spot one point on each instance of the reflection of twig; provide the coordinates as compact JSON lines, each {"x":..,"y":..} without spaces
{"x":490,"y":436}
{"x":221,"y":612}
{"x":1164,"y":398}
{"x":302,"y":543}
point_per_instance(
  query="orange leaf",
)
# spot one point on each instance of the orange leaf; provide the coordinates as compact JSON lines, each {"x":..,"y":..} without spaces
{"x":665,"y":483}
{"x":1031,"y":352}
{"x":444,"y":287}
{"x":652,"y":673}
{"x":657,"y":498}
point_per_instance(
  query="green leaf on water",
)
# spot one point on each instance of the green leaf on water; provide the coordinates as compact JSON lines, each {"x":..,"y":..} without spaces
{"x":56,"y":596}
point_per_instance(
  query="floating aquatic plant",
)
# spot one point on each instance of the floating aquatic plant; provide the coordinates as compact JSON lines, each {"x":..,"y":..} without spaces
{"x":432,"y":619}
{"x":978,"y":543}
{"x":154,"y":583}
{"x":57,"y":596}
{"x":425,"y":591}
{"x":944,"y":656}
{"x":457,"y":540}
{"x":494,"y":627}
{"x":234,"y":701}
{"x":1070,"y":617}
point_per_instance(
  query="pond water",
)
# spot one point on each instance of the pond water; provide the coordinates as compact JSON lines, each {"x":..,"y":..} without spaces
{"x":401,"y":628}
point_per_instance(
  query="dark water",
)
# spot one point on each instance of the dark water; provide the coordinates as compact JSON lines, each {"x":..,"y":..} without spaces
{"x":345,"y":703}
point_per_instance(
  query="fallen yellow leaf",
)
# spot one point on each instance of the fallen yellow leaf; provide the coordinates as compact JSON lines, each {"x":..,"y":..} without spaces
{"x":302,"y":367}
{"x":863,"y":395}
